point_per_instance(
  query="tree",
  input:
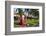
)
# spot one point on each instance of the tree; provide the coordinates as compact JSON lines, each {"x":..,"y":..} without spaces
{"x":20,"y":11}
{"x":34,"y":12}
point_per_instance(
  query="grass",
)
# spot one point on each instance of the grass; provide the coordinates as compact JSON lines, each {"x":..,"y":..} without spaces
{"x":32,"y":22}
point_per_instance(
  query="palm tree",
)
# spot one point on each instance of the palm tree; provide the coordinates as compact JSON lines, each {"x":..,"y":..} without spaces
{"x":21,"y":13}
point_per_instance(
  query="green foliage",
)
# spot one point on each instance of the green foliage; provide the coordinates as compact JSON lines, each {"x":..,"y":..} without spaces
{"x":20,"y":11}
{"x":34,"y":12}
